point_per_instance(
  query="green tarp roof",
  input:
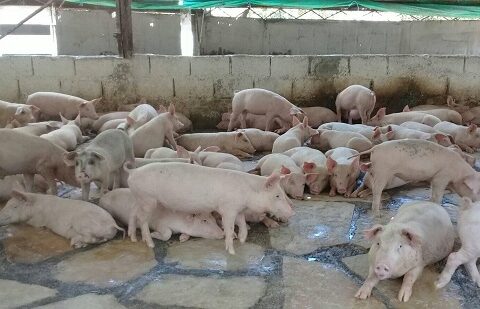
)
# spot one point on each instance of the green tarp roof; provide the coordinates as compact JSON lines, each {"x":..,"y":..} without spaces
{"x":447,"y":8}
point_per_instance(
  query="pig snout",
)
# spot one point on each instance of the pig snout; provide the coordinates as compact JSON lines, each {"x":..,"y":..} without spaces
{"x":83,"y":176}
{"x":382,"y":271}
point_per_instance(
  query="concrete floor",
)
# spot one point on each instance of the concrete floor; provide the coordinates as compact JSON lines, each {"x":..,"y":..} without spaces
{"x":317,"y":260}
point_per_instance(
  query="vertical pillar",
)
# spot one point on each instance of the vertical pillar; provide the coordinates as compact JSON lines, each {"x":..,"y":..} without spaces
{"x":124,"y":28}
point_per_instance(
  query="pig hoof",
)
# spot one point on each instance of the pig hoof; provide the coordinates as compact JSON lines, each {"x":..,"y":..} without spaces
{"x":184,"y":237}
{"x":272,"y":224}
{"x":440,"y":284}
{"x":363,"y":293}
{"x":404,"y":294}
{"x":332,"y":194}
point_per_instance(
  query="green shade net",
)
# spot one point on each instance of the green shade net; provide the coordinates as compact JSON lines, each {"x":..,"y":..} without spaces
{"x":446,"y":8}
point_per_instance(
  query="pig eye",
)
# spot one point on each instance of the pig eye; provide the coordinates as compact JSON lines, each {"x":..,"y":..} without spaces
{"x":205,"y":221}
{"x":91,"y":162}
{"x":378,"y":243}
{"x":77,"y":163}
{"x":277,"y":196}
{"x":22,"y":112}
{"x":348,"y":175}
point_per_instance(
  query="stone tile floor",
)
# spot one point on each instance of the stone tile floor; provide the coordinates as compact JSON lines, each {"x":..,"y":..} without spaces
{"x":317,"y":260}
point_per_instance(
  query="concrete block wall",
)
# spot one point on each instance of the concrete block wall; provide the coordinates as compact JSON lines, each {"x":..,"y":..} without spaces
{"x":202,"y":87}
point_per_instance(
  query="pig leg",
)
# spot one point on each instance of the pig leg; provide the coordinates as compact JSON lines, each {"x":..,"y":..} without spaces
{"x":269,"y":120}
{"x":49,"y":178}
{"x":455,"y":259}
{"x":76,"y":242}
{"x":339,"y":113}
{"x":233,"y":118}
{"x":171,"y":140}
{"x":116,"y":179}
{"x":143,"y":213}
{"x":162,"y":233}
{"x":350,"y":189}
{"x":407,"y":284}
{"x":132,"y":225}
{"x":359,"y":189}
{"x":243,"y":122}
{"x":242,"y":227}
{"x":366,"y":290}
{"x":184,"y":237}
{"x":473,"y":271}
{"x":270,"y":223}
{"x":85,"y":190}
{"x":28,"y":179}
{"x":466,"y":148}
{"x":241,"y":154}
{"x":106,"y":182}
{"x":228,"y":222}
{"x":438,"y":185}
{"x":333,"y":189}
{"x":379,"y":183}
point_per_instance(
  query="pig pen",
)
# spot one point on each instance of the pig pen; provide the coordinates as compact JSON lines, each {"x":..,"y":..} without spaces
{"x":317,"y":259}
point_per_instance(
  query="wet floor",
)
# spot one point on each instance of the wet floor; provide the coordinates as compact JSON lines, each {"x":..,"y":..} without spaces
{"x":317,"y":260}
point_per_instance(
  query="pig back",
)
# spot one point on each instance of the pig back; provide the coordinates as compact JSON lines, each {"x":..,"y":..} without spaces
{"x":432,"y":223}
{"x":52,"y":103}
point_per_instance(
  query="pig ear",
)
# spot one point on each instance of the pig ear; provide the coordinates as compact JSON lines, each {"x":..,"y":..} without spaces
{"x":390,"y":135}
{"x":142,"y":101}
{"x":311,"y":177}
{"x":69,"y":158}
{"x":171,"y":109}
{"x":305,"y":121}
{"x":472,"y":128}
{"x":285,"y":170}
{"x":182,"y":152}
{"x":130,"y":121}
{"x":272,"y":180}
{"x":450,"y":101}
{"x":78,"y":120}
{"x":406,"y":108}
{"x":371,"y":233}
{"x":162,"y":109}
{"x":412,"y":237}
{"x":355,"y":163}
{"x":98,"y":155}
{"x":381,"y":113}
{"x":473,"y":183}
{"x":293,"y":111}
{"x":34,"y":108}
{"x":21,"y":196}
{"x":238,"y":135}
{"x":308,"y":167}
{"x":64,"y":120}
{"x":331,"y":165}
{"x":364,"y":167}
{"x":83,"y":104}
{"x":212,"y":149}
{"x":96,"y":101}
{"x":295,"y":121}
{"x":376,"y":133}
{"x":441,"y":138}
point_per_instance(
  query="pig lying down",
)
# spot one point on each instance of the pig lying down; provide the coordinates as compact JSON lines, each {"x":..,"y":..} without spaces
{"x":120,"y":203}
{"x":420,"y":234}
{"x":159,"y":184}
{"x":81,"y":222}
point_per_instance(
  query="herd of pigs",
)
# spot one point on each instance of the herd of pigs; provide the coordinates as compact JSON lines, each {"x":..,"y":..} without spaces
{"x":194,"y":184}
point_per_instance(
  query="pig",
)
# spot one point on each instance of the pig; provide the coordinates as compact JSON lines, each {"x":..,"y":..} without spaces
{"x":295,"y":137}
{"x":255,"y":122}
{"x":443,"y":114}
{"x":39,"y":128}
{"x":395,"y":132}
{"x":29,"y":155}
{"x":343,"y":170}
{"x":256,"y":217}
{"x":419,"y":127}
{"x":294,"y":182}
{"x":468,"y":158}
{"x":320,"y":178}
{"x":428,"y":107}
{"x":261,"y":102}
{"x":468,"y":230}
{"x":111,"y":124}
{"x":365,"y":130}
{"x":365,"y":189}
{"x":318,"y":115}
{"x":68,"y":136}
{"x":164,"y":222}
{"x":139,"y":116}
{"x":107,"y":117}
{"x":101,"y":160}
{"x":22,"y":113}
{"x":52,"y":103}
{"x":355,"y":97}
{"x":153,"y":133}
{"x":420,"y":161}
{"x":420,"y":234}
{"x":81,"y":222}
{"x":381,"y":119}
{"x":166,"y":153}
{"x":468,"y":138}
{"x":329,"y":139}
{"x":186,"y":122}
{"x":261,"y":140}
{"x":470,"y":115}
{"x":236,"y":143}
{"x":207,"y":187}
{"x":10,"y":183}
{"x":220,"y":160}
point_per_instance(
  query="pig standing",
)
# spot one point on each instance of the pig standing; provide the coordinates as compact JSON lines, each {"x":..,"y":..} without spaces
{"x":329,"y":139}
{"x":81,"y":222}
{"x":343,"y":170}
{"x":468,"y":229}
{"x":101,"y":160}
{"x":107,"y":117}
{"x":236,"y":143}
{"x":261,"y":140}
{"x":294,"y":182}
{"x":22,"y":113}
{"x":468,"y":138}
{"x":355,"y":97}
{"x":444,"y":114}
{"x":120,"y":203}
{"x":261,"y":102}
{"x":29,"y":155}
{"x":420,"y":161}
{"x":419,"y":235}
{"x":207,"y":187}
{"x":319,"y":178}
{"x":154,"y":133}
{"x":382,"y":119}
{"x":68,"y":136}
{"x":52,"y":103}
{"x":295,"y":137}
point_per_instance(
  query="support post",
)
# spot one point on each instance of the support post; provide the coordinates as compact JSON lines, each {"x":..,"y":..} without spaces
{"x":124,"y":28}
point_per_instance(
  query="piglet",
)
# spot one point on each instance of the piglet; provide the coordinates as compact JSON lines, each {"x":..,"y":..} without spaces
{"x":68,"y":136}
{"x":261,"y":140}
{"x":295,"y":137}
{"x":255,"y":122}
{"x":261,"y":102}
{"x":164,"y":222}
{"x":468,"y":225}
{"x":343,"y":170}
{"x":444,"y":114}
{"x":97,"y":124}
{"x":20,"y":113}
{"x":355,"y":97}
{"x":39,"y":128}
{"x":53,"y":103}
{"x":236,"y":143}
{"x":470,"y":115}
{"x":318,"y":115}
{"x":364,"y":130}
{"x":382,"y":119}
{"x":468,"y":138}
{"x":419,"y":235}
{"x":81,"y":222}
{"x":101,"y":160}
{"x":330,"y":139}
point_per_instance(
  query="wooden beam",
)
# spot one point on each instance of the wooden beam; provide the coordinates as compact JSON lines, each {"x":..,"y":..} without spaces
{"x":124,"y":28}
